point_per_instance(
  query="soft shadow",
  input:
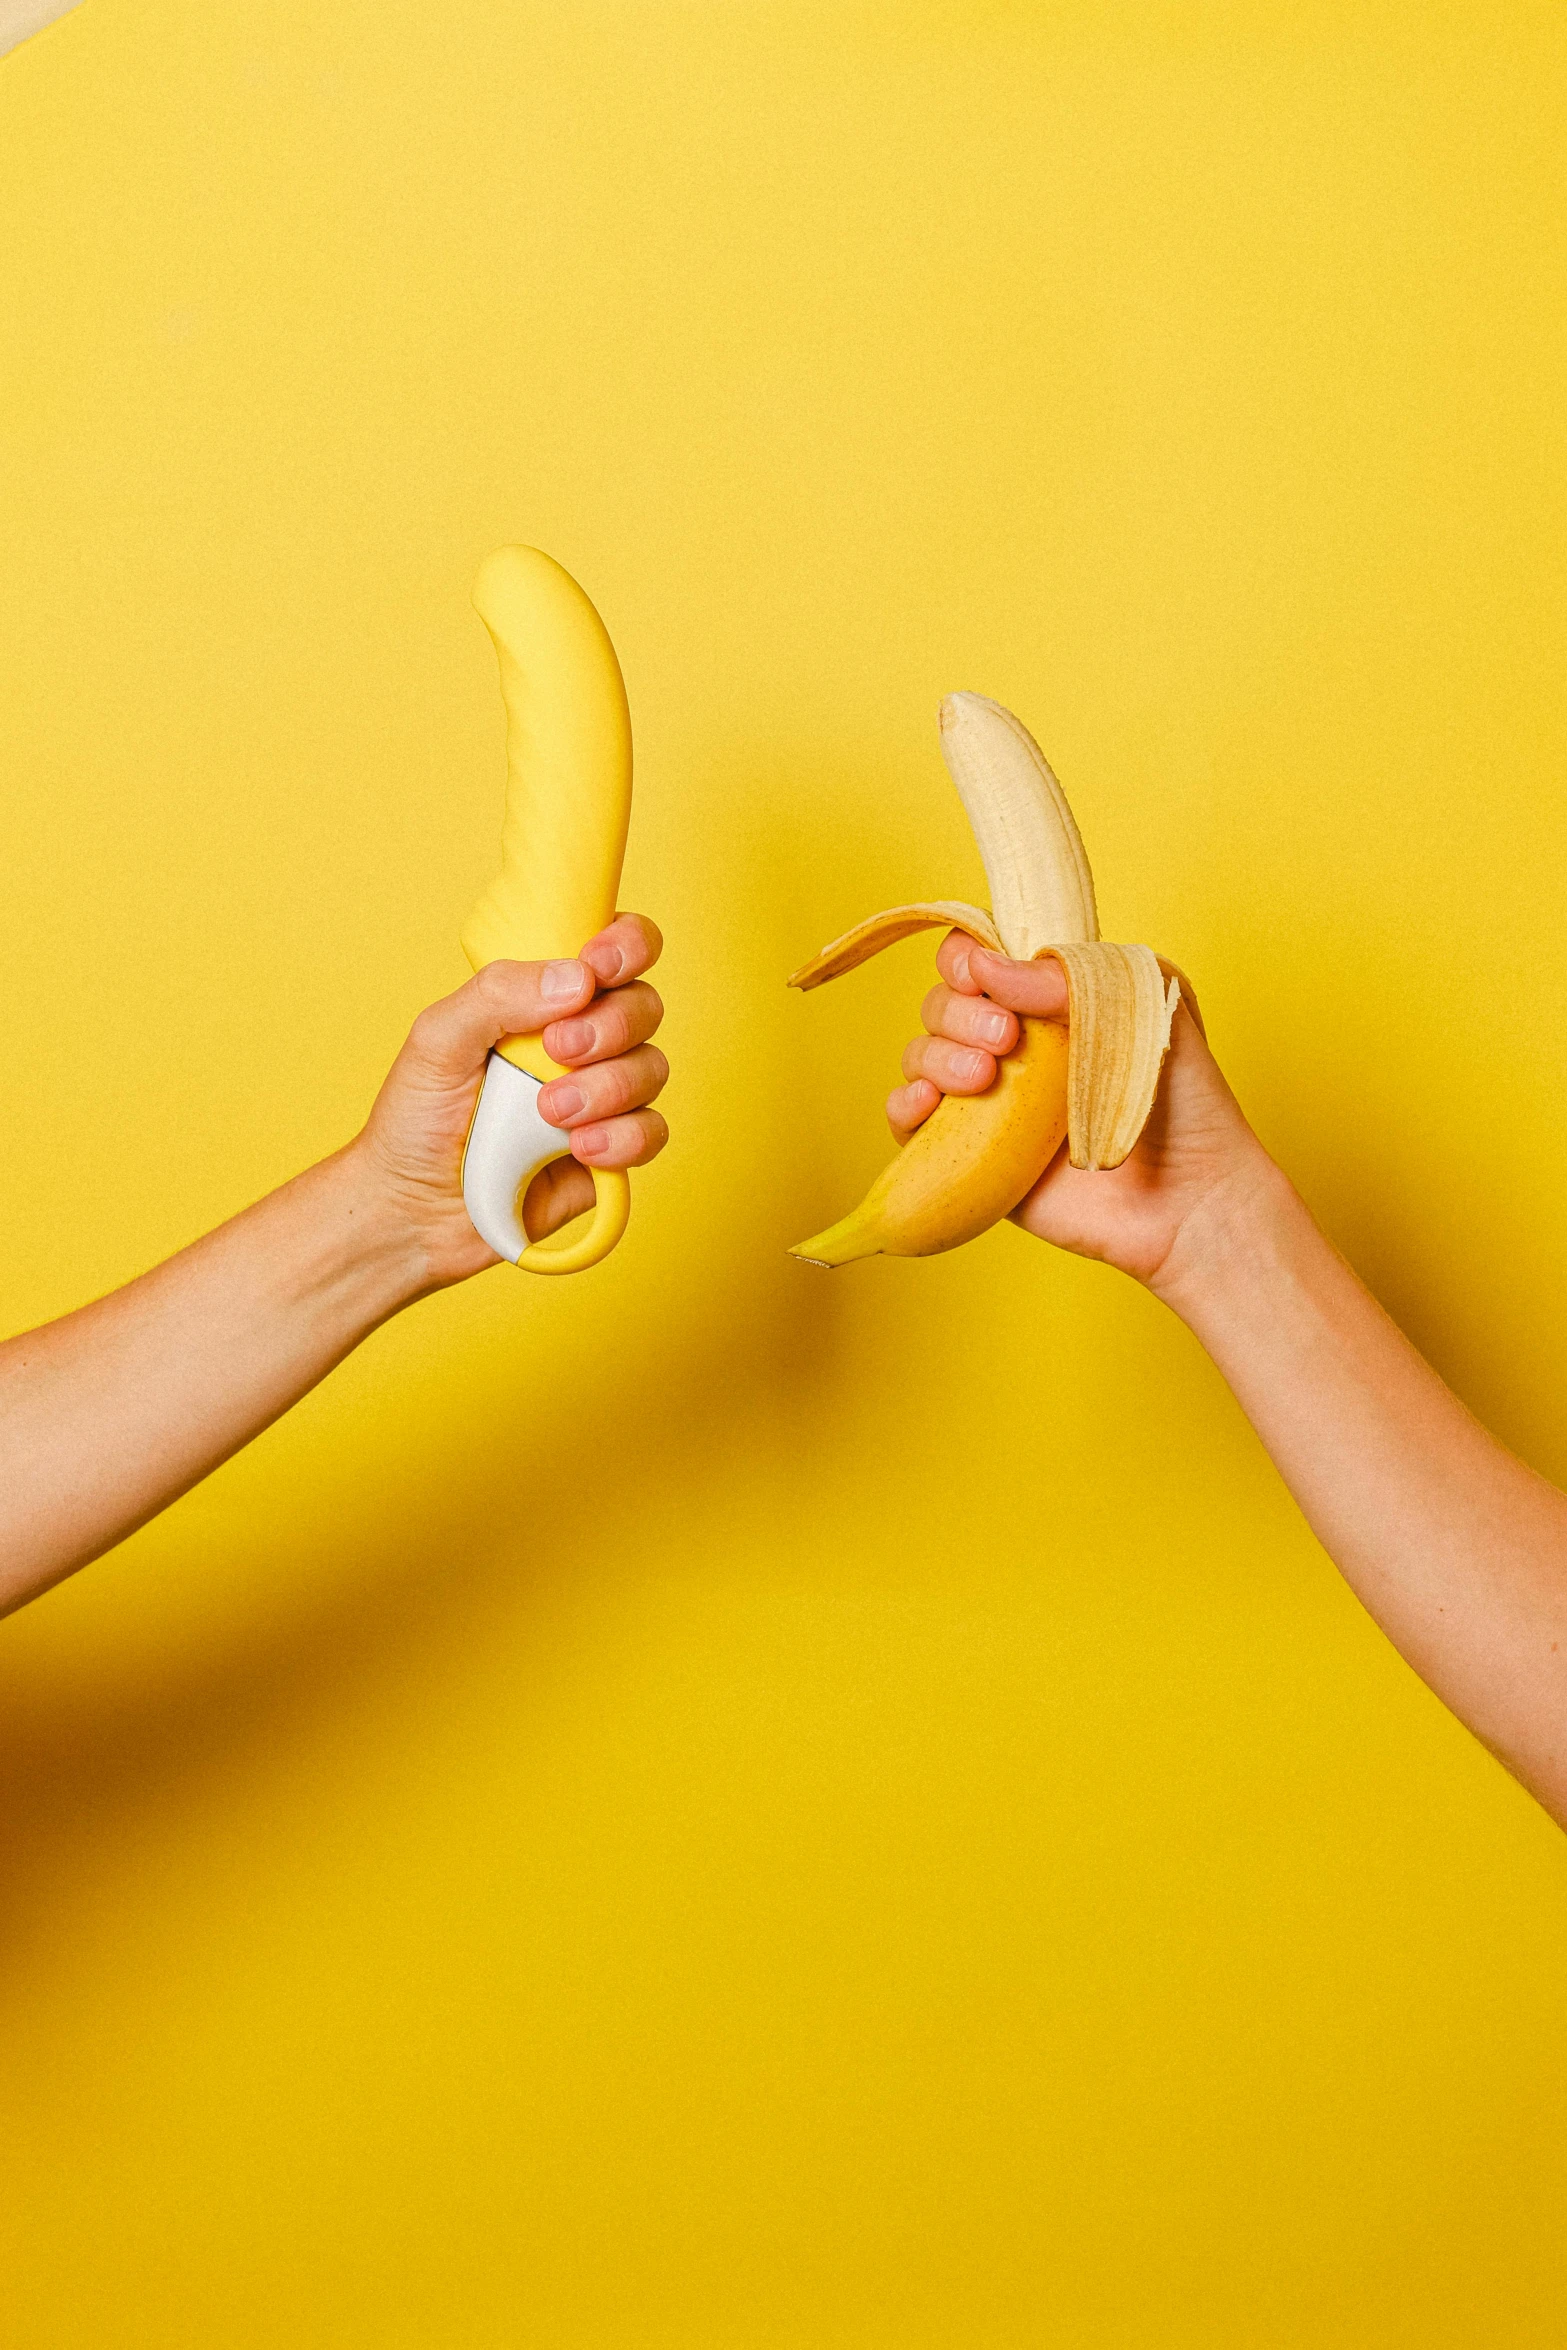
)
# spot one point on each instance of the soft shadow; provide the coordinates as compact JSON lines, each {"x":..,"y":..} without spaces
{"x":457,"y":1560}
{"x":396,"y":1571}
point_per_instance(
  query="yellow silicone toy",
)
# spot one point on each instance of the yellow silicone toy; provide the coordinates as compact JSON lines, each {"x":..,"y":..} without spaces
{"x":568,"y":806}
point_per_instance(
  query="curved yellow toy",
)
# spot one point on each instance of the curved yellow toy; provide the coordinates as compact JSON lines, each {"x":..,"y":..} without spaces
{"x":568,"y":806}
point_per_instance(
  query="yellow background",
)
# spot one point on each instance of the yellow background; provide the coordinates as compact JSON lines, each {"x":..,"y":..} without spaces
{"x":709,"y":1805}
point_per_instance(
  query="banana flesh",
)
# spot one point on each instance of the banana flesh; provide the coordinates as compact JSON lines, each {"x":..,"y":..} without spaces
{"x":1092,"y":1083}
{"x":1041,"y":888}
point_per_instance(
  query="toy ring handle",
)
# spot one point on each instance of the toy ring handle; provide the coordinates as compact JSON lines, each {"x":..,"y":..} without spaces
{"x":508,"y":1143}
{"x":611,"y":1215}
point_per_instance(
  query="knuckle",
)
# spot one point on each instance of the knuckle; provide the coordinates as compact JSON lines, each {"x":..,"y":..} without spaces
{"x":620,"y":1087}
{"x":430,"y":1037}
{"x":615,"y":1016}
{"x":496,"y":985}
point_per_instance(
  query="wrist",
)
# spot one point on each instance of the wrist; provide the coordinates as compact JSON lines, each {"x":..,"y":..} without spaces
{"x":1242,"y":1225}
{"x":376,"y":1247}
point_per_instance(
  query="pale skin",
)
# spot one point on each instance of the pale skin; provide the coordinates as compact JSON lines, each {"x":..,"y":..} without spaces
{"x":1456,"y":1548}
{"x":107,"y":1415}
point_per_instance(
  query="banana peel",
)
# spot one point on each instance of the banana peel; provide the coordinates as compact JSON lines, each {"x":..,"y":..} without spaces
{"x":1091,"y":1083}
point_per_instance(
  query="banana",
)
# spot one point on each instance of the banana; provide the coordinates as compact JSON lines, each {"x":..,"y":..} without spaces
{"x":568,"y":808}
{"x":1091,"y":1083}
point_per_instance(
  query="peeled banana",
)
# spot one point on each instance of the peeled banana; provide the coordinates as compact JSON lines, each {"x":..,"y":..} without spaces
{"x":1091,"y":1083}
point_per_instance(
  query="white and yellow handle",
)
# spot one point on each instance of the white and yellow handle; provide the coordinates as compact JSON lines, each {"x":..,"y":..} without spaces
{"x":508,"y":1143}
{"x":568,"y":806}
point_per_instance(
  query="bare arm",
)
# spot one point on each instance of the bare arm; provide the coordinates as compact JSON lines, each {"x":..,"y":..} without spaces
{"x":109,"y":1414}
{"x":1455,"y":1547}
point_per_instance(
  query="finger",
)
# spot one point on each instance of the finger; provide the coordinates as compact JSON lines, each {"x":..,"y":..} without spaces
{"x":952,"y":961}
{"x":612,"y":1024}
{"x":606,"y":1088}
{"x":955,"y":1068}
{"x":1036,"y":988}
{"x":969,"y":1019}
{"x":908,"y":1107}
{"x":504,"y":999}
{"x":622,"y":1142}
{"x":627,"y":947}
{"x":558,"y":1192}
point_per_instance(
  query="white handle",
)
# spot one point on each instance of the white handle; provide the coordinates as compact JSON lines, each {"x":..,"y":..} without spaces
{"x":508,"y":1143}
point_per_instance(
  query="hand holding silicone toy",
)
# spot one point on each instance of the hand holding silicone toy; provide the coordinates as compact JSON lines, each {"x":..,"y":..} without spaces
{"x":594,"y":1014}
{"x":568,"y":804}
{"x":107,"y":1415}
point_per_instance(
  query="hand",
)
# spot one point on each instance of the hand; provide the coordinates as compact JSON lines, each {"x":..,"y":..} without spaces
{"x":597,"y":1015}
{"x":1197,"y":1153}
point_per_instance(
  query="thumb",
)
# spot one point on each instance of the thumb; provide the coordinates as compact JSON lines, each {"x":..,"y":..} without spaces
{"x":504,"y":999}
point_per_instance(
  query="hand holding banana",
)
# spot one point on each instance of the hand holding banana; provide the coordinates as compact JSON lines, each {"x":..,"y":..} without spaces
{"x":1195,"y":1160}
{"x":979,"y":1155}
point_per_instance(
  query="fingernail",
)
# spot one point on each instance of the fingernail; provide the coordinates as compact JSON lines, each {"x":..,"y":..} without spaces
{"x":992,"y":1026}
{"x":559,"y":982}
{"x":560,"y":1102}
{"x":571,"y":1039}
{"x":976,"y":1064}
{"x":590,"y":1142}
{"x":620,"y":965}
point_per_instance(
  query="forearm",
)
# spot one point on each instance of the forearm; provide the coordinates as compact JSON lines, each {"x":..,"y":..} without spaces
{"x":1455,"y":1547}
{"x":109,"y":1414}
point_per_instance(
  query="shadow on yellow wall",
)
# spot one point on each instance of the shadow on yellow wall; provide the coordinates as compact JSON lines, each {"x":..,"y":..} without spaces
{"x":717,"y":1804}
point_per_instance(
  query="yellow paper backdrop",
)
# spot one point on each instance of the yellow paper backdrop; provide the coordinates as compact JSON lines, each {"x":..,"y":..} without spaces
{"x":711,"y":1804}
